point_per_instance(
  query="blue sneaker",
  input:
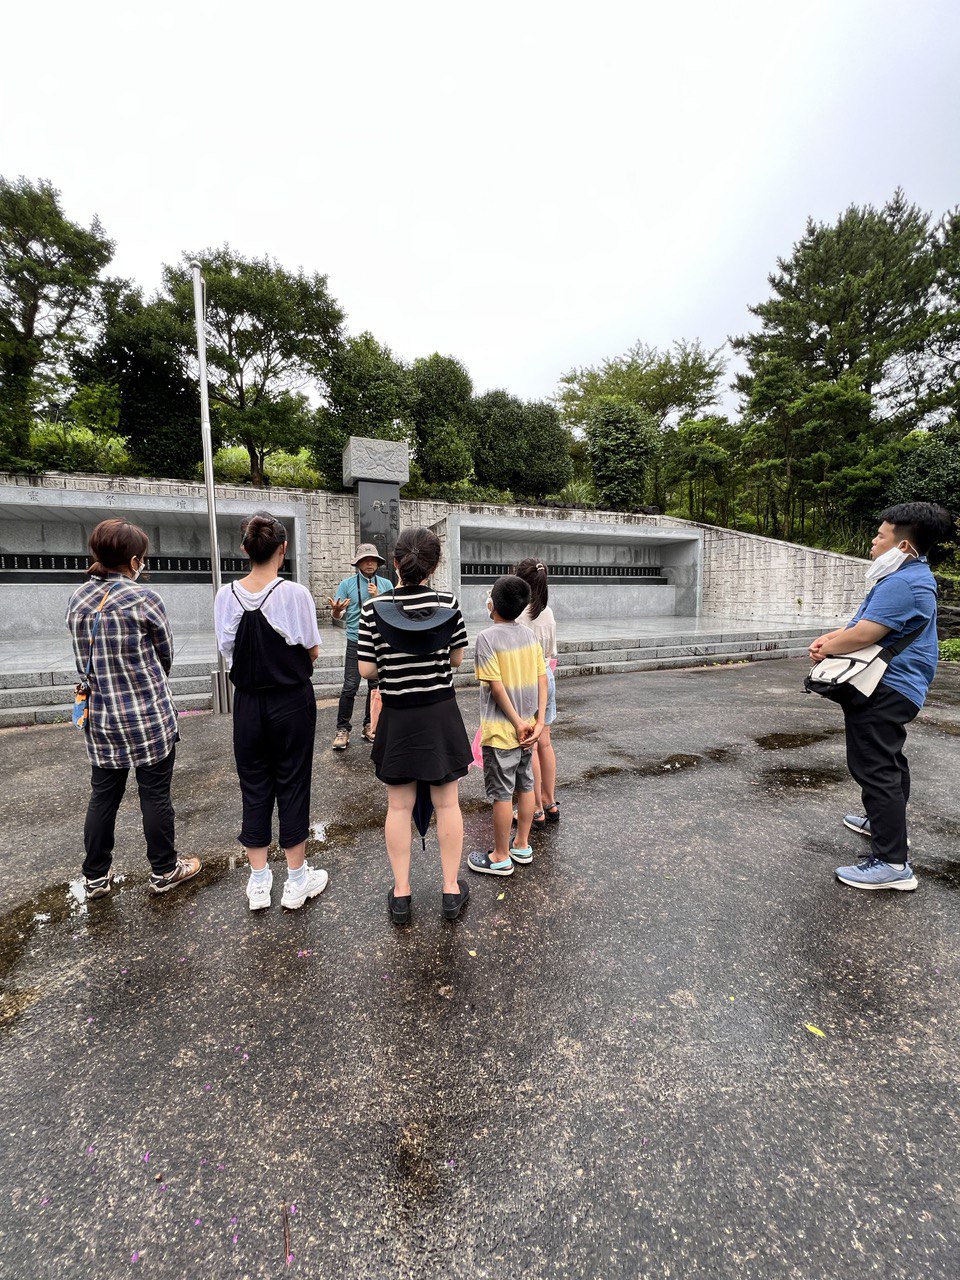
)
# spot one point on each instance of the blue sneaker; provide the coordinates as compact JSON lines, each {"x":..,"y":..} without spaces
{"x":482,"y":862}
{"x":871,"y":873}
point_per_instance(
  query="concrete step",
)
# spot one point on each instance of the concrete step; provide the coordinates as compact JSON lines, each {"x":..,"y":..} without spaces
{"x":47,"y":697}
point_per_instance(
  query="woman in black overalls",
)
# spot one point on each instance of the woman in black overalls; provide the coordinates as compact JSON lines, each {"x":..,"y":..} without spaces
{"x":267,"y":628}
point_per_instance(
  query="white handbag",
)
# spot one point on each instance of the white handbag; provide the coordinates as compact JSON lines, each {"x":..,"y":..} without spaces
{"x":862,"y":670}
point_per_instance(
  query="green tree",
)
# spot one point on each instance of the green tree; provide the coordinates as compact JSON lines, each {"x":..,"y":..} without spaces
{"x":853,"y":300}
{"x":369,"y":394}
{"x":703,"y":462}
{"x":141,"y":352}
{"x":270,"y":333}
{"x":546,"y":466}
{"x":945,"y":340}
{"x":679,"y":383}
{"x":623,"y":442}
{"x":49,"y":272}
{"x":520,"y":447}
{"x":666,"y":386}
{"x":931,"y":470}
{"x":440,"y":415}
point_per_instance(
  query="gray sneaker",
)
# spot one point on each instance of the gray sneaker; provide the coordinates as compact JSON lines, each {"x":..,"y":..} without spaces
{"x":185,"y":870}
{"x":98,"y":887}
{"x":861,"y":825}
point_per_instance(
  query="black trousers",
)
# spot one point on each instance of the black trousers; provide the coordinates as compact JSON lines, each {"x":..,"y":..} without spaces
{"x":348,"y":694}
{"x":108,"y":786}
{"x":876,"y":734}
{"x":273,"y":736}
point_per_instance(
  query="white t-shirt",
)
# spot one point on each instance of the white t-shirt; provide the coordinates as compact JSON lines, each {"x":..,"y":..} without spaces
{"x":544,"y":627}
{"x":289,"y":610}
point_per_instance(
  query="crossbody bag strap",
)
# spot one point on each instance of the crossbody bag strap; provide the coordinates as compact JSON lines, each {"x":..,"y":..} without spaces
{"x":898,"y":646}
{"x":96,"y":627}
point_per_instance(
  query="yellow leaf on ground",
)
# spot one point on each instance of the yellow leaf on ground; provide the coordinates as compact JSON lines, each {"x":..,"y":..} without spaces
{"x":814,"y":1030}
{"x":473,"y":953}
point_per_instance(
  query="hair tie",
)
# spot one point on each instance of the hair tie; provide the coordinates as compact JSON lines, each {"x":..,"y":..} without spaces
{"x":540,"y":568}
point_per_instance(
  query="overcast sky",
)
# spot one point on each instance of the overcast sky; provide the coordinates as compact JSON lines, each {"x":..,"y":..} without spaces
{"x":527,"y":186}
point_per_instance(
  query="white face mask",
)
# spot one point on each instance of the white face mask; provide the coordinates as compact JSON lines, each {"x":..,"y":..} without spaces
{"x":888,"y":563}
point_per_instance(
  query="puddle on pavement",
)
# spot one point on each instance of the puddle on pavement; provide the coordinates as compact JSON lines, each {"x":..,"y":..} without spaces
{"x":723,"y":755}
{"x":643,"y":769}
{"x":801,"y":779}
{"x":946,"y":870}
{"x":787,"y":741}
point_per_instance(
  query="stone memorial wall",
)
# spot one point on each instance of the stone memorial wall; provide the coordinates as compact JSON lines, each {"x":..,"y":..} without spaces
{"x":740,"y":575}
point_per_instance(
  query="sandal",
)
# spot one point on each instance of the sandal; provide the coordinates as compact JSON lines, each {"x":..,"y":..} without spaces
{"x":539,"y":820}
{"x":552,"y":813}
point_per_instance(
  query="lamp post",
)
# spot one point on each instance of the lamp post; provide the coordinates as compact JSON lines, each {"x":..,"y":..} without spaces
{"x":222,"y":701}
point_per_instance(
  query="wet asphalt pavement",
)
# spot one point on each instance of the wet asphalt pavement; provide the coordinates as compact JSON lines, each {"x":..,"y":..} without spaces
{"x":610,"y":1067}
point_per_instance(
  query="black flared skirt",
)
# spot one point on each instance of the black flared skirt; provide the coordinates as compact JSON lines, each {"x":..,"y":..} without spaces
{"x":421,"y":744}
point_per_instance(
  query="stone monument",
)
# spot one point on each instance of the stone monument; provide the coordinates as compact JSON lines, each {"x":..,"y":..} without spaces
{"x":378,"y":468}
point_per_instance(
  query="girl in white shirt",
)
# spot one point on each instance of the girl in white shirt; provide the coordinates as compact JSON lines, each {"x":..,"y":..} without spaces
{"x":267,"y":628}
{"x":538,"y":616}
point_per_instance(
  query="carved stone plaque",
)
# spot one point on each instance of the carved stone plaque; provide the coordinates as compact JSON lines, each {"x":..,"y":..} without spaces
{"x":365,"y":459}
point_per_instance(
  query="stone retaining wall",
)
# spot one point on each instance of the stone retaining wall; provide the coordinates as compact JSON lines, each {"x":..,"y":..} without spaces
{"x":743,"y":575}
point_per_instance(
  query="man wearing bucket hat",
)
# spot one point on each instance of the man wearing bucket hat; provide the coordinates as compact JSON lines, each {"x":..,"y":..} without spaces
{"x":353,"y":592}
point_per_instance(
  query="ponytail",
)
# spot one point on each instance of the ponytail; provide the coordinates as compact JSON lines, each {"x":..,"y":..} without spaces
{"x":534,"y":574}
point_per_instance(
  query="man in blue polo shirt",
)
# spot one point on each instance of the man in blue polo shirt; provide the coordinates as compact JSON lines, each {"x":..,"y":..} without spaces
{"x":901,"y":598}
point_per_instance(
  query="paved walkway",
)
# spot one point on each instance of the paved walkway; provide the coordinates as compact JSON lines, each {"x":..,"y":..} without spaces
{"x":611,"y":1067}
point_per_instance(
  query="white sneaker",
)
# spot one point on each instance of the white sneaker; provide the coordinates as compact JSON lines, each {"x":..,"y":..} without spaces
{"x":258,"y":895}
{"x":295,"y":896}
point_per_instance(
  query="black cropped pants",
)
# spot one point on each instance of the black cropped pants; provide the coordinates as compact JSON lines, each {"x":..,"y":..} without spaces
{"x":273,"y":737}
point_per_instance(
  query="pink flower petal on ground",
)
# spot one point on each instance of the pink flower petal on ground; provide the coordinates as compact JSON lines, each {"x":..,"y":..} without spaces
{"x":233,"y":1222}
{"x":134,"y":1257}
{"x":289,"y":1258}
{"x":235,"y":1239}
{"x":198,"y":1222}
{"x":45,"y":1200}
{"x":146,"y":1157}
{"x":245,"y":1058}
{"x":293,"y":1208}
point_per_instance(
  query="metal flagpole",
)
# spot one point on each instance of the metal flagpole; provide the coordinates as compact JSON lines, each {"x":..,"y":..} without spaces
{"x":222,"y":701}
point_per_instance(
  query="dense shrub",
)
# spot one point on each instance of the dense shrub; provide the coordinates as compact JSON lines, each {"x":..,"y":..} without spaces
{"x":72,"y":448}
{"x":291,"y":470}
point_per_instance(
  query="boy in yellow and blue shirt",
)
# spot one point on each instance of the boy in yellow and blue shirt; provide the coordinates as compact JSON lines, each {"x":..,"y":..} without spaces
{"x":513,"y":705}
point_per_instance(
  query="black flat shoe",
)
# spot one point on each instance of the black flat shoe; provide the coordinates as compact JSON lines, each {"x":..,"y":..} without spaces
{"x":399,"y":908}
{"x":453,"y":903}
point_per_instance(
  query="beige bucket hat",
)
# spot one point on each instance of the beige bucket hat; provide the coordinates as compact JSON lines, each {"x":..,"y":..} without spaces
{"x":367,"y":551}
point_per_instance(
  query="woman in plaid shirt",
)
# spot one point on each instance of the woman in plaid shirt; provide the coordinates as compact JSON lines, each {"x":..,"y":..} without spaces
{"x":132,"y":721}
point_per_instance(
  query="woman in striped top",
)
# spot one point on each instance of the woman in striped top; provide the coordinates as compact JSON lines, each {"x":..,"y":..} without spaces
{"x":420,"y":735}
